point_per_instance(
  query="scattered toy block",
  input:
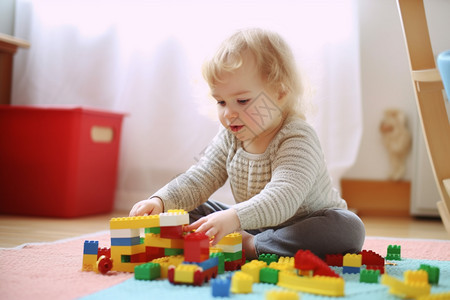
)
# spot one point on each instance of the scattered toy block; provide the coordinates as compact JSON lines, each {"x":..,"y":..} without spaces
{"x":281,"y":295}
{"x":253,"y":269}
{"x":148,"y":271}
{"x":268,"y":258}
{"x":221,"y":287}
{"x":352,"y":260}
{"x":369,"y":276}
{"x":268,"y":275}
{"x":335,"y":260}
{"x":320,"y":285}
{"x":241,"y":283}
{"x":393,"y":252}
{"x":433,"y":273}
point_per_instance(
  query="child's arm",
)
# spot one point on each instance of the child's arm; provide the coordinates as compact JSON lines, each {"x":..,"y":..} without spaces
{"x":152,"y":206}
{"x":217,"y":224}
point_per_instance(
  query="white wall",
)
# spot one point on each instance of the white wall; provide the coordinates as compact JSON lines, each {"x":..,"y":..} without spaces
{"x":7,"y":16}
{"x":386,"y":80}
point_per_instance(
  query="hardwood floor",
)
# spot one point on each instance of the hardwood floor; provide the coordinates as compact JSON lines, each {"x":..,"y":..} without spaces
{"x":17,"y":230}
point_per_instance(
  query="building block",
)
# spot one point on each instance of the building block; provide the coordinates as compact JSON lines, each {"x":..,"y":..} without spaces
{"x":436,"y":296}
{"x":369,"y":276}
{"x":89,"y":262}
{"x":173,"y":251}
{"x":379,"y":268}
{"x":351,"y":270}
{"x":148,"y":271}
{"x":433,"y":273}
{"x":104,"y":251}
{"x":206,"y":264}
{"x":268,"y":258}
{"x":165,"y":262}
{"x":305,"y":260}
{"x":173,"y":217}
{"x":90,"y":247}
{"x":125,"y":233}
{"x":352,"y":260}
{"x":233,"y":256}
{"x":241,"y":283}
{"x":282,"y":267}
{"x":196,"y":247}
{"x":154,"y":252}
{"x":404,"y":290}
{"x":335,"y":260}
{"x":104,"y":264}
{"x":134,"y":222}
{"x":234,"y":238}
{"x":155,"y":240}
{"x":155,"y":230}
{"x":185,"y":273}
{"x":171,"y":232}
{"x":253,"y":269}
{"x":220,"y":261}
{"x":320,"y":285}
{"x":281,"y":295}
{"x":221,"y":287}
{"x":230,"y":248}
{"x":393,"y":252}
{"x":125,"y":241}
{"x":370,"y":258}
{"x":268,"y":275}
{"x":416,"y":276}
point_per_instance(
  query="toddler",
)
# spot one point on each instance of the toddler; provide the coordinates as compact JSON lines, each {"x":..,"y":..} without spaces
{"x":272,"y":157}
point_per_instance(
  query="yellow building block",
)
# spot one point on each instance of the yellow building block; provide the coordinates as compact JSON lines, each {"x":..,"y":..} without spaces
{"x":89,"y":262}
{"x":281,"y":295}
{"x":167,"y":261}
{"x":134,"y":222}
{"x":215,"y":250}
{"x":282,"y":267}
{"x":416,"y":276}
{"x":124,"y":267}
{"x":352,"y":260}
{"x":404,"y":290}
{"x":436,"y":296}
{"x":185,"y":273}
{"x":127,"y":250}
{"x":287,"y":260}
{"x":234,"y":238}
{"x":241,"y":283}
{"x":253,"y":269}
{"x":319,"y":285}
{"x":154,"y":240}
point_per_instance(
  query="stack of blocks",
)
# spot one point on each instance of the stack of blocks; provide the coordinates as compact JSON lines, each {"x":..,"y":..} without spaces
{"x":231,"y":247}
{"x":90,"y":253}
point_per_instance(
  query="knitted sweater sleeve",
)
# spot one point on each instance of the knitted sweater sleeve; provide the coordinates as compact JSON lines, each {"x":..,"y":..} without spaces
{"x":297,"y":165}
{"x":200,"y":181}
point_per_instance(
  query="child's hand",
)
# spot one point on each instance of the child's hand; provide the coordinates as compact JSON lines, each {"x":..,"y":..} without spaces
{"x":151,"y":206}
{"x":217,"y":224}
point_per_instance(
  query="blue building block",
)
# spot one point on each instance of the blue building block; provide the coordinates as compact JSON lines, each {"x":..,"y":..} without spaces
{"x":351,"y":270}
{"x":90,"y":247}
{"x":221,"y":286}
{"x":206,"y":264}
{"x":126,"y":241}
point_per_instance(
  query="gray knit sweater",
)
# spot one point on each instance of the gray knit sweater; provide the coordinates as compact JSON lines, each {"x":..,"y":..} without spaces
{"x":289,"y":179}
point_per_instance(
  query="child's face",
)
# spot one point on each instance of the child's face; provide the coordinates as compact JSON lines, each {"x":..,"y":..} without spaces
{"x":246,"y":106}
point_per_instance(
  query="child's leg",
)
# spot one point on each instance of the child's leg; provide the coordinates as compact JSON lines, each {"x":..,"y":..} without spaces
{"x":205,"y":209}
{"x":329,"y":231}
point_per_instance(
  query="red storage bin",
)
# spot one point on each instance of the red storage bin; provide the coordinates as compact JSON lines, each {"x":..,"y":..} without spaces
{"x":58,"y":162}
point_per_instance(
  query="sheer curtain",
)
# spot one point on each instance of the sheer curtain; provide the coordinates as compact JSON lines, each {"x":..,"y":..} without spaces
{"x":144,"y":58}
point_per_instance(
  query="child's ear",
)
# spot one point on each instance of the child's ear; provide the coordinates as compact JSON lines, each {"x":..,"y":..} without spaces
{"x":282,"y":92}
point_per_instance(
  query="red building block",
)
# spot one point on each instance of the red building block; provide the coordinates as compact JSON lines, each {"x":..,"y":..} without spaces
{"x":171,"y":232}
{"x":154,"y":253}
{"x":380,"y":268}
{"x":104,"y":251}
{"x":305,"y":260}
{"x":335,"y":260}
{"x":370,"y":258}
{"x":196,"y":247}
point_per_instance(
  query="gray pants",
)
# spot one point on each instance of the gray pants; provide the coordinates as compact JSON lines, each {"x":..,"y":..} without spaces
{"x":327,"y":231}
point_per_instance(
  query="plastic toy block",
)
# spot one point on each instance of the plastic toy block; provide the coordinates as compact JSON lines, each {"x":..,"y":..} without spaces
{"x":287,"y":260}
{"x":134,"y":222}
{"x":185,"y":273}
{"x":154,"y":240}
{"x":393,"y":252}
{"x":433,"y":273}
{"x":305,"y":260}
{"x":138,"y":258}
{"x":241,"y":283}
{"x":268,"y":275}
{"x":154,"y":253}
{"x":335,"y":260}
{"x":215,"y":250}
{"x":90,"y":247}
{"x":268,"y":258}
{"x":125,"y":241}
{"x":233,"y":256}
{"x":351,"y":270}
{"x":281,"y":295}
{"x":416,"y":276}
{"x":401,"y":289}
{"x":171,"y":252}
{"x":155,"y":230}
{"x":171,"y":232}
{"x":129,"y":250}
{"x":369,"y":276}
{"x":104,"y":251}
{"x":165,"y":262}
{"x":253,"y":269}
{"x":231,"y":239}
{"x":196,"y":247}
{"x":282,"y":267}
{"x":379,"y":268}
{"x":148,"y":271}
{"x":320,"y":285}
{"x":173,"y":217}
{"x":104,"y":264}
{"x":206,"y":264}
{"x":230,"y":248}
{"x":125,"y":258}
{"x":221,"y":287}
{"x":436,"y":296}
{"x":125,"y":233}
{"x":220,"y":261}
{"x":124,"y":267}
{"x":89,"y":262}
{"x":370,"y":258}
{"x":352,"y":260}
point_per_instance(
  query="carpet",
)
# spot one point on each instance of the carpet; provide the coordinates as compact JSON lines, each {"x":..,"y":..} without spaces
{"x":53,"y":271}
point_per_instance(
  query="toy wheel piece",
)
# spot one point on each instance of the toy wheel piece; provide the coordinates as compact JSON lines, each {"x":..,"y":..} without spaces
{"x":104,"y":264}
{"x":198,"y":277}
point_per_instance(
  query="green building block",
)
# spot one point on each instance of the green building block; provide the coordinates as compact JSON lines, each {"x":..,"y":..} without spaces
{"x":172,"y":252}
{"x":233,"y":256}
{"x":369,"y":276}
{"x":268,"y":275}
{"x":268,"y":258}
{"x":394,"y":252}
{"x":154,"y":230}
{"x":221,"y":257}
{"x":148,"y":271}
{"x":433,"y":273}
